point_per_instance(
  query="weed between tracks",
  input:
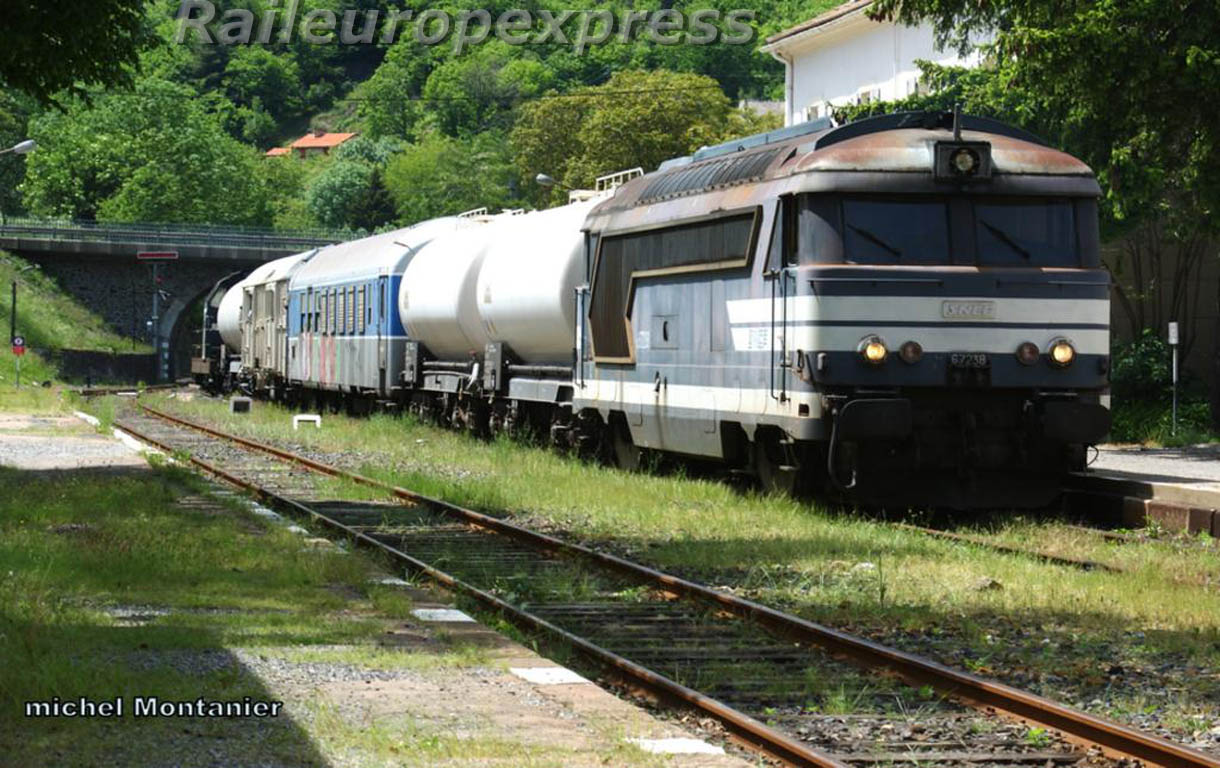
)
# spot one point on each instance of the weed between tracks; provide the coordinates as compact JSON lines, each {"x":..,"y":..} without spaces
{"x":1133,"y":645}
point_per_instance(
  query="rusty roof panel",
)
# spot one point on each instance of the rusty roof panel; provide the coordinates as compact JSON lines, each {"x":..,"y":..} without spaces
{"x":712,"y":174}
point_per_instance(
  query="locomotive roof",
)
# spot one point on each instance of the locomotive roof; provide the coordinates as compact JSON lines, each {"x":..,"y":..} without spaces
{"x":889,"y":154}
{"x":369,"y":257}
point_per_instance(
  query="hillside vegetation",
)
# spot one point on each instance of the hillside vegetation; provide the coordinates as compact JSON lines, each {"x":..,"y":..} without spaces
{"x":443,"y":128}
{"x":48,"y":319}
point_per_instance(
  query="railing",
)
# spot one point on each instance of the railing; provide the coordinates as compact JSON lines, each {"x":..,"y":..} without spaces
{"x":171,"y":234}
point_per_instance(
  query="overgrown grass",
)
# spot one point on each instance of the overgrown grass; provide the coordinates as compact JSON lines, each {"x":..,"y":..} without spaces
{"x":49,"y":317}
{"x":1151,"y":423}
{"x":1011,"y":616}
{"x":107,"y":584}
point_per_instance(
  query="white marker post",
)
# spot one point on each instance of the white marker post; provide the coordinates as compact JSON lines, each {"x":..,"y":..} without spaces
{"x":1173,"y":344}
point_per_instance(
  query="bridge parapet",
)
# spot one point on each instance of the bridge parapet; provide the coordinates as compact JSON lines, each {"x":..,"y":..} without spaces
{"x":192,"y":241}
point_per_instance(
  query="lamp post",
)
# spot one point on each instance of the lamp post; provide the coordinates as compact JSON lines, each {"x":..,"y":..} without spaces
{"x":544,"y":180}
{"x":21,"y":148}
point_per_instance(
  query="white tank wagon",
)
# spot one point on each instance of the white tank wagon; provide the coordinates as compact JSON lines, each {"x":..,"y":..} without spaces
{"x":526,"y":287}
{"x":437,"y":298}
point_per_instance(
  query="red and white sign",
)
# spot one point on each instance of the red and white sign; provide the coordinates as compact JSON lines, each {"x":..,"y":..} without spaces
{"x":18,"y":345}
{"x":157,"y":255}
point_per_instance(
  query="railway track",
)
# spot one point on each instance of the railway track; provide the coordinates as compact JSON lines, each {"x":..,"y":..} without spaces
{"x":799,"y":692}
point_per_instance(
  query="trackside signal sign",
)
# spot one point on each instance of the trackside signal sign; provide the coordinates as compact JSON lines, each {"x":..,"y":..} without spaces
{"x":18,"y":345}
{"x":157,"y":255}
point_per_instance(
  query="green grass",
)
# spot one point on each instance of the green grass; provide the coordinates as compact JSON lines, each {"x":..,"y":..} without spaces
{"x":1053,"y":629}
{"x":47,"y":316}
{"x":80,"y":550}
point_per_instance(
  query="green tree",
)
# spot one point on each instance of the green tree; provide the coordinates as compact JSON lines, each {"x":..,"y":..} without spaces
{"x":256,"y":75}
{"x":478,"y":91}
{"x":634,"y":119}
{"x":441,"y":176}
{"x":72,"y":44}
{"x":1122,"y":85}
{"x":350,"y":192}
{"x":388,"y":101}
{"x":334,"y":197}
{"x":15,"y":111}
{"x":155,"y":153}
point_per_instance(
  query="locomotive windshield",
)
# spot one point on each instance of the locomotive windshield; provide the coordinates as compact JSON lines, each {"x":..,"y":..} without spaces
{"x":895,"y":232}
{"x":1039,"y":233}
{"x":984,"y":231}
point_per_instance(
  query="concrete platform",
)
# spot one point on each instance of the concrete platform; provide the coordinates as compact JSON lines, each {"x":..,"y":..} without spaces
{"x":1176,"y":488}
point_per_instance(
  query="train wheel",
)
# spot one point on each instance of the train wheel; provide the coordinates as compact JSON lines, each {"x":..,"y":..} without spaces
{"x":627,"y":455}
{"x":775,"y":468}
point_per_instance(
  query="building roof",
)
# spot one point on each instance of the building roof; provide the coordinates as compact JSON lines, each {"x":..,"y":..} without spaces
{"x":834,"y":14}
{"x":277,"y":151}
{"x":321,"y":140}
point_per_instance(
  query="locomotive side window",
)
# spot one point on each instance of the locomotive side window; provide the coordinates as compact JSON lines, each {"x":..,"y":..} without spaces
{"x":895,"y":232}
{"x":1038,"y":233}
{"x":721,"y":243}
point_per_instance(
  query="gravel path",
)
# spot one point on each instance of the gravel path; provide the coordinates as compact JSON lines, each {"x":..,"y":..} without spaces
{"x":59,"y":442}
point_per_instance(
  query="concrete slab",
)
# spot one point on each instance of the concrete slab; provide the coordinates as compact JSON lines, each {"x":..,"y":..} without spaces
{"x":441,"y":615}
{"x":549,"y":676}
{"x":677,"y":746}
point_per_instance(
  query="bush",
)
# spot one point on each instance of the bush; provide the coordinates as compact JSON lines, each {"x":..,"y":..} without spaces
{"x":1142,"y":389}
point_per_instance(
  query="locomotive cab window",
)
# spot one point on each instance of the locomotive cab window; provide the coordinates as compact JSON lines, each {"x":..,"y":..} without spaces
{"x":1037,"y":233}
{"x":934,"y":230}
{"x":895,"y":232}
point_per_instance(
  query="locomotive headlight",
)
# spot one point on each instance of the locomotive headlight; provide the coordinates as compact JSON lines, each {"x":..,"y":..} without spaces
{"x":910,"y":352}
{"x":1027,"y":353}
{"x":1062,"y":353}
{"x":964,"y":161}
{"x":873,"y":350}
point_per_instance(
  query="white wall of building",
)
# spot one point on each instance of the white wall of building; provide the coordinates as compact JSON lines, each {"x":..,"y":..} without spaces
{"x":854,"y":59}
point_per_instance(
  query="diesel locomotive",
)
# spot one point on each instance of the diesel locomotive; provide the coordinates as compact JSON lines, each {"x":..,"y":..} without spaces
{"x":907,"y":309}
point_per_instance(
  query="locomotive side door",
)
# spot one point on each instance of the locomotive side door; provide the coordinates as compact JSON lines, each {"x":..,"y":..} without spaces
{"x":780,"y":272}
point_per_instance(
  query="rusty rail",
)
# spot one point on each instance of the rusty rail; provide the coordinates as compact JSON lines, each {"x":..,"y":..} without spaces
{"x":1081,"y":727}
{"x":744,"y":729}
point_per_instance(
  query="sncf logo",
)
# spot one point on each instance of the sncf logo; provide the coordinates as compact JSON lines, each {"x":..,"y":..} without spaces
{"x":967,"y":310}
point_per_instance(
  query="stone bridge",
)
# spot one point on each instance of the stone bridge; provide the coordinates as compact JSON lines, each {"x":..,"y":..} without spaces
{"x":100,"y":265}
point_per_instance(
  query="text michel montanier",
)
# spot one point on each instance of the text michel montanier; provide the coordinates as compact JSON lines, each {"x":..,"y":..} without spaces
{"x":151,"y":706}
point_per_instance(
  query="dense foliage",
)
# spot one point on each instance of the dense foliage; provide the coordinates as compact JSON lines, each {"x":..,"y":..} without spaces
{"x":70,"y":44}
{"x":1122,"y":85}
{"x":159,"y":125}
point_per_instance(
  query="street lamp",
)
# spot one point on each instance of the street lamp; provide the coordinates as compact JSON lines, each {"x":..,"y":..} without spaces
{"x":543,"y":180}
{"x":21,"y":148}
